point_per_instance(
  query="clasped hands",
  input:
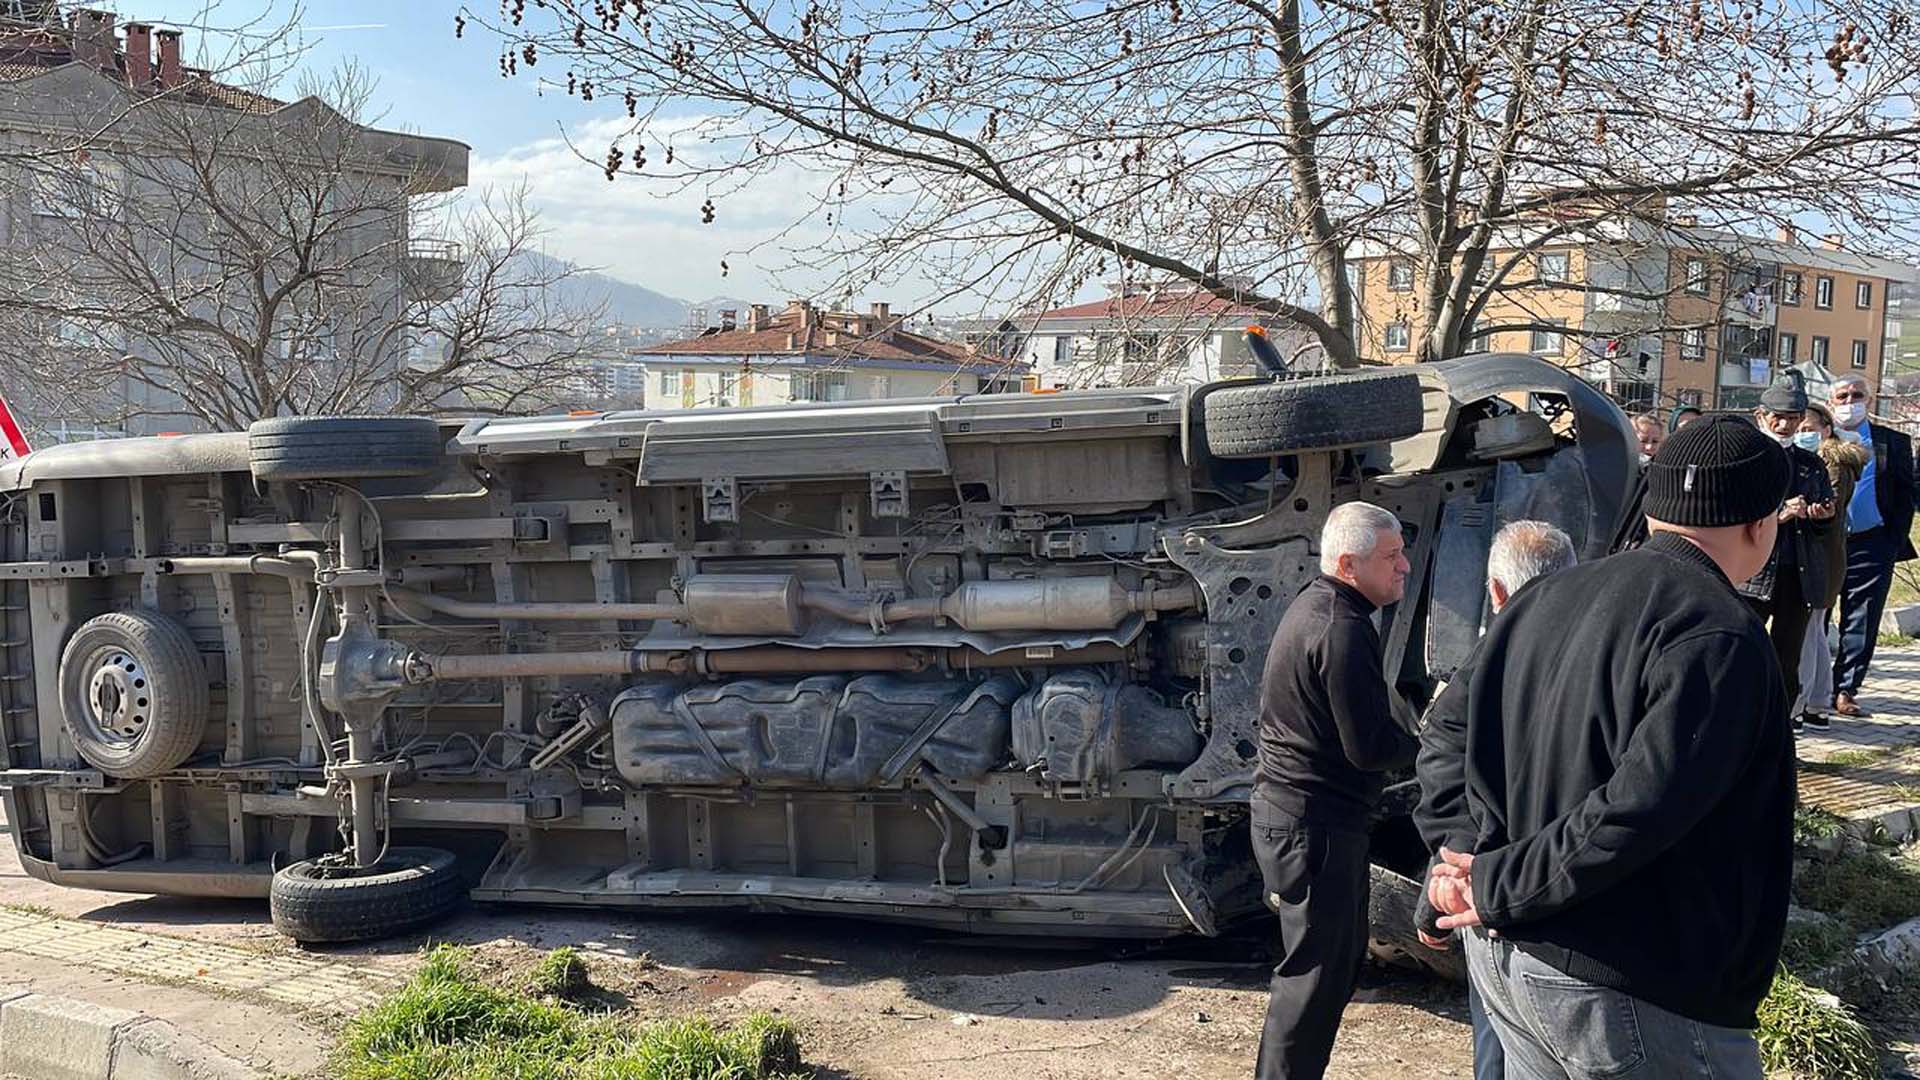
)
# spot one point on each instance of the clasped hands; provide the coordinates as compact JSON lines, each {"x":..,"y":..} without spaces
{"x":1450,"y":890}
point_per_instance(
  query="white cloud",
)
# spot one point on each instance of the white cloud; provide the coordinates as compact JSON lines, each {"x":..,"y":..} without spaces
{"x":641,"y":230}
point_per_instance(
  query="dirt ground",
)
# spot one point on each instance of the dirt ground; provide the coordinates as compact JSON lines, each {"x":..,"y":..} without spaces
{"x":872,"y":1001}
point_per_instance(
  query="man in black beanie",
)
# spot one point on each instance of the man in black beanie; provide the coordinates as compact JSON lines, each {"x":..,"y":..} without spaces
{"x":1624,"y":847}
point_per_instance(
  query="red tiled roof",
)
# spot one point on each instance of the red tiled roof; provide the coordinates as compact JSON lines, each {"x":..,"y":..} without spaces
{"x":198,"y":87}
{"x":1181,"y":304}
{"x":894,"y":345}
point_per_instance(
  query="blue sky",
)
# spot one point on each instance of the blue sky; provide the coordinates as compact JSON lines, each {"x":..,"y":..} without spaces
{"x":434,"y":84}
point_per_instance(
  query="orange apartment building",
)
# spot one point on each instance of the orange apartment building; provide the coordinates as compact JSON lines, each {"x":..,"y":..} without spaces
{"x":1704,"y":317}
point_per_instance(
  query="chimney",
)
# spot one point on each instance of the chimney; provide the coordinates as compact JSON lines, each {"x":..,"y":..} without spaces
{"x":880,"y":313}
{"x":757,"y":317}
{"x":1833,"y":241}
{"x":1786,"y":235}
{"x":729,"y":318}
{"x":804,"y":310}
{"x":169,"y":58}
{"x":93,"y":38}
{"x":139,"y":55}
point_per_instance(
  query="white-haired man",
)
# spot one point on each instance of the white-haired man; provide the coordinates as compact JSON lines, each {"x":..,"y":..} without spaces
{"x":1327,"y":737}
{"x":1879,"y":520}
{"x":1521,"y":552}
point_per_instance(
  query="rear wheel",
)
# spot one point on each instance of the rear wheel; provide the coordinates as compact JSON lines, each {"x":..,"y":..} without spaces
{"x":133,"y":693}
{"x":328,"y":899}
{"x":1390,"y":907}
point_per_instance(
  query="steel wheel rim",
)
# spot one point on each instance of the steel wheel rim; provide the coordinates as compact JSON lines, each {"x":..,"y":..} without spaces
{"x":116,"y":700}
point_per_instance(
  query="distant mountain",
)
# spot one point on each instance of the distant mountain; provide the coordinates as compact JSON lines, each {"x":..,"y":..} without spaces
{"x":625,"y":302}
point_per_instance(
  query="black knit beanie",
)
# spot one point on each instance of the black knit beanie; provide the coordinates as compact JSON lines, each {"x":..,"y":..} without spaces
{"x":1717,"y":471}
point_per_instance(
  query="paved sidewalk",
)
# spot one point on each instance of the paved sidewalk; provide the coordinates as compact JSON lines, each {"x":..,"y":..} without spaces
{"x":1868,"y":770}
{"x":301,"y":984}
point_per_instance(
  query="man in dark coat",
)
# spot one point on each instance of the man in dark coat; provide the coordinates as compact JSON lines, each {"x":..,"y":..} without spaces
{"x":1794,"y":581}
{"x":1327,"y":738}
{"x":1617,"y":830}
{"x":1879,"y":528}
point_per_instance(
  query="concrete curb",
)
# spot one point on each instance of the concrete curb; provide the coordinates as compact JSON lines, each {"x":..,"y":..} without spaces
{"x":1904,"y":621}
{"x":55,"y":1038}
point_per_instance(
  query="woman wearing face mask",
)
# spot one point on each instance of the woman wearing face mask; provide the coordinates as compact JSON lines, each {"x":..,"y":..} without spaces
{"x":1844,"y":457}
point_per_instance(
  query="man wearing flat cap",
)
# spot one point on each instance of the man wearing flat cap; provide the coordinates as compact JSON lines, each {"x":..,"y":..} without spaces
{"x":1794,"y":581}
{"x":1622,"y":855}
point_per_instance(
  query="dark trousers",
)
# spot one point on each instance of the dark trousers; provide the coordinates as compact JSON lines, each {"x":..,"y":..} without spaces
{"x":1489,"y":1059}
{"x":1316,"y":882}
{"x":1789,"y":614}
{"x":1862,"y":599}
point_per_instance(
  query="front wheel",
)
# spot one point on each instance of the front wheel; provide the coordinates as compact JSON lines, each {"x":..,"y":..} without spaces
{"x":328,"y":899}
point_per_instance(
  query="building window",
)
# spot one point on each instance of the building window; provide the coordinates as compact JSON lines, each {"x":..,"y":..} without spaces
{"x":1399,"y":337}
{"x":1859,"y":355}
{"x":1697,"y":276}
{"x":1690,"y":398}
{"x":1821,"y":349}
{"x":1062,"y":351}
{"x":1790,"y":288}
{"x":669,"y":384}
{"x":1789,"y":348}
{"x":1399,"y":275}
{"x":818,"y":385}
{"x":725,"y":383}
{"x":1693,"y":344}
{"x":1823,"y":292}
{"x":1549,"y":342}
{"x":1553,"y":267}
{"x":1863,"y":294}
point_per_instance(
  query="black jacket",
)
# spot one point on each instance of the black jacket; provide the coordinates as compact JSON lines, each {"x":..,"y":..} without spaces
{"x":1616,"y":755}
{"x":1804,"y":540}
{"x":1893,"y":479}
{"x":1327,"y":732}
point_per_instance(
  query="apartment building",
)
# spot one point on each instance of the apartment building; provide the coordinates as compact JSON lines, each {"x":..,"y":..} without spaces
{"x":1140,"y":334}
{"x":1681,"y":315}
{"x":804,"y":353}
{"x":116,"y":92}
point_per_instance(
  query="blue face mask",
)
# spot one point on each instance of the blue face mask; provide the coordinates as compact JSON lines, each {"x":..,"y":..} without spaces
{"x":1807,"y":440}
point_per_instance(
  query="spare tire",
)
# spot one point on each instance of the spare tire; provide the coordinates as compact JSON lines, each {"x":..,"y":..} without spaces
{"x":326,"y":899}
{"x":1329,"y":413}
{"x":133,"y":693}
{"x":343,"y":447}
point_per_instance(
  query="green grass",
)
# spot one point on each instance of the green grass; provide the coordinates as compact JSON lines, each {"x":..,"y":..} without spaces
{"x":1865,"y":890}
{"x":1805,"y":1032}
{"x":1856,"y":757}
{"x":1906,"y":579}
{"x":445,"y":1025}
{"x":1814,"y":946}
{"x":1810,"y":823}
{"x":561,"y":973}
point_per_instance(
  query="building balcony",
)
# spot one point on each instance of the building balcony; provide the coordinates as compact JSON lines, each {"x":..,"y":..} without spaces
{"x":1746,"y":371}
{"x":433,"y":269}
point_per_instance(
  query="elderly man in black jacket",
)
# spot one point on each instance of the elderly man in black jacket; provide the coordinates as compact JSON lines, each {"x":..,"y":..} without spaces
{"x":1327,"y":737}
{"x":1791,"y":585}
{"x":1879,"y":527}
{"x":1623,"y":847}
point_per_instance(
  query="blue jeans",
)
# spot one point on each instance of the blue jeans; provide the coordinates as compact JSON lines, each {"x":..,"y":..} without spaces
{"x":1489,"y":1061}
{"x":1556,"y":1027}
{"x":1862,"y":599}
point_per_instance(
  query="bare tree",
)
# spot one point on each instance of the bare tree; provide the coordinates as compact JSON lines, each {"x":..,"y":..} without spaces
{"x":214,"y":261}
{"x":1016,"y":149}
